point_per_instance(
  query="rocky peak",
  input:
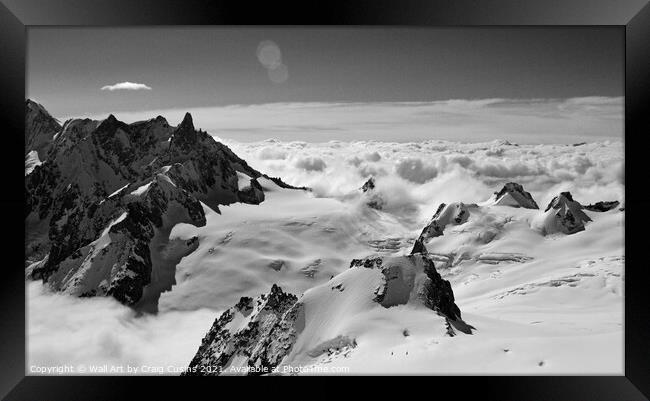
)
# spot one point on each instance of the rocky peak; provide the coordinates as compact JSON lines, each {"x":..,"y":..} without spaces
{"x":368,"y":185}
{"x":155,"y":130}
{"x":255,"y":334}
{"x":513,"y":194}
{"x":563,"y":215}
{"x":40,"y":128}
{"x":415,"y":277}
{"x":185,"y":136}
{"x":373,"y":199}
{"x":110,"y":119}
{"x":455,"y":213}
{"x":562,"y":200}
{"x":98,"y":170}
{"x":187,"y":123}
{"x":105,"y":131}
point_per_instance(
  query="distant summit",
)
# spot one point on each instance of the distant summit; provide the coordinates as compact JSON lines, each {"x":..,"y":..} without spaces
{"x":513,"y":194}
{"x":40,"y":129}
{"x":373,"y":199}
{"x":564,"y":215}
{"x":368,"y":185}
{"x":455,"y":213}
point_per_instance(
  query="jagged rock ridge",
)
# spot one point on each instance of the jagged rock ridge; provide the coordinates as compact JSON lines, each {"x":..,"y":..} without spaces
{"x":40,"y":128}
{"x":107,"y":192}
{"x":252,"y":337}
{"x":453,"y":214}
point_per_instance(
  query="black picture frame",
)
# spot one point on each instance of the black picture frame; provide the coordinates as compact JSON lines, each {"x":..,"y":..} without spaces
{"x":632,"y":16}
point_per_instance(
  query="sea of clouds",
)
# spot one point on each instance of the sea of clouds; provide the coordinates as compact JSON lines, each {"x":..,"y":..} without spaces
{"x":92,"y":332}
{"x":417,"y":176}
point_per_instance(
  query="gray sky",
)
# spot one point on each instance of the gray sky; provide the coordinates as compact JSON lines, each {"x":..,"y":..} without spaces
{"x":199,"y":67}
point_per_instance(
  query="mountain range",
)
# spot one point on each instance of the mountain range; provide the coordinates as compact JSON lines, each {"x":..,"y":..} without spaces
{"x":104,"y":198}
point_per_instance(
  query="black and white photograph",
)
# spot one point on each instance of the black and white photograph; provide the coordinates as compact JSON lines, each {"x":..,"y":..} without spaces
{"x":324,"y":200}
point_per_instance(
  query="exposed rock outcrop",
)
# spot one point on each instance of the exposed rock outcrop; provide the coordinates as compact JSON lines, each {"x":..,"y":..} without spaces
{"x":372,"y":198}
{"x":602,"y":206}
{"x":40,"y":129}
{"x":368,"y":185}
{"x":253,"y":193}
{"x":251,"y":338}
{"x":453,"y":214}
{"x":401,"y":280}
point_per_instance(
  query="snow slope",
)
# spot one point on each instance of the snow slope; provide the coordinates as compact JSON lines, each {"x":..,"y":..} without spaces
{"x":292,"y":238}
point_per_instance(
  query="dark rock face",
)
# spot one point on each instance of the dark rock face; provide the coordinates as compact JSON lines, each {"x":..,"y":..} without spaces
{"x":434,"y":228}
{"x":250,"y":338}
{"x":602,"y":206}
{"x":253,"y":194}
{"x":560,"y":200}
{"x":517,"y":196}
{"x":438,"y":294}
{"x":368,"y":263}
{"x":108,"y":190}
{"x":401,"y":280}
{"x":418,"y":247}
{"x":368,"y":185}
{"x":373,"y":199}
{"x":40,"y":128}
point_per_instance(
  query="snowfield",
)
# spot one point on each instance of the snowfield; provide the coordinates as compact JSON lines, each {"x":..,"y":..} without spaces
{"x":540,"y":302}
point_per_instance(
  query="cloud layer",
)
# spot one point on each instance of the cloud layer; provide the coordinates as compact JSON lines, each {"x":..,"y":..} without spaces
{"x":97,"y":331}
{"x":415,"y":177}
{"x":520,"y":120}
{"x":132,"y":86}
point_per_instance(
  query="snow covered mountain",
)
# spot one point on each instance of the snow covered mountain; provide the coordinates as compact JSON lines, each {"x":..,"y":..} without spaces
{"x":273,"y":332}
{"x":40,"y":128}
{"x":337,"y":322}
{"x":564,"y":215}
{"x":513,"y":194}
{"x":101,"y":205}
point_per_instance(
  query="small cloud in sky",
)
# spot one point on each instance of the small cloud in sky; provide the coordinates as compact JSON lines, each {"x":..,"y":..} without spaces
{"x":132,"y":86}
